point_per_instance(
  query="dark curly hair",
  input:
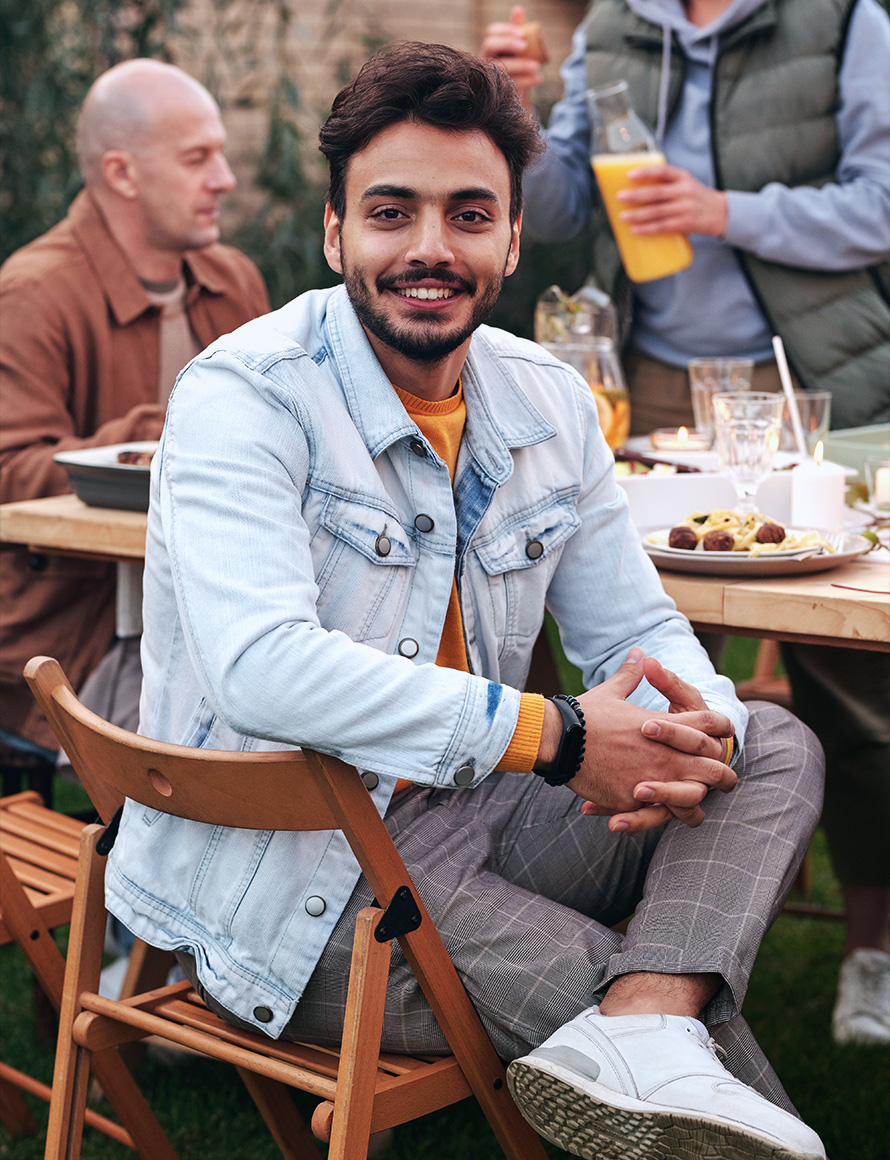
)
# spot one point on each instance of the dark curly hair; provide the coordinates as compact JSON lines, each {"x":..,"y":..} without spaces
{"x":431,"y":84}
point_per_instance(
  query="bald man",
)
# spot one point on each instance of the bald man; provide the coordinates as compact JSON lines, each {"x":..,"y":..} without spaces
{"x":97,"y":317}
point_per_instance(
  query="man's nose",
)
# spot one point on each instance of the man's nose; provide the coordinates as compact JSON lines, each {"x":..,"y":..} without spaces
{"x":429,"y":243}
{"x":221,"y":178}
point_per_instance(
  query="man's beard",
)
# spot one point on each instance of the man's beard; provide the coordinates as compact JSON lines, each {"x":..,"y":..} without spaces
{"x":425,"y":341}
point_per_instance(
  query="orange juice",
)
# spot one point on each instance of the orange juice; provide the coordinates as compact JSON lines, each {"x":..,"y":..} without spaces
{"x":645,"y":258}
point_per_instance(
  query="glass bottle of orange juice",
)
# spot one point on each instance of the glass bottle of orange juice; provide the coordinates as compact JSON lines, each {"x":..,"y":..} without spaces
{"x":622,"y":142}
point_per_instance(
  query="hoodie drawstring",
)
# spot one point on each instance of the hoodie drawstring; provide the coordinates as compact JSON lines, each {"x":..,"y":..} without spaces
{"x":663,"y":84}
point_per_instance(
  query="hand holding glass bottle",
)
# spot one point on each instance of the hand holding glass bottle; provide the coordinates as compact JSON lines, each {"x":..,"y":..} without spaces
{"x":636,"y":185}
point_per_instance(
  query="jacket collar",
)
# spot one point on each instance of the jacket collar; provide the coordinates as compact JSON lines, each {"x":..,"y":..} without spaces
{"x":499,"y":414}
{"x":123,"y":291}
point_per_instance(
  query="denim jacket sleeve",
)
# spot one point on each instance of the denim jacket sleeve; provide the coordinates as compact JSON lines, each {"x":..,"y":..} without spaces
{"x":606,"y":595}
{"x":559,"y":190}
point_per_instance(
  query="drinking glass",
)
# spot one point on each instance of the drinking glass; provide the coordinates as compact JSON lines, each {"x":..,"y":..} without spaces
{"x":814,"y":408}
{"x":713,"y":376}
{"x":596,"y":360}
{"x":747,"y":429}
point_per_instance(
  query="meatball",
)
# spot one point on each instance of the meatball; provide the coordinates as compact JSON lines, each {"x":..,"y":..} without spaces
{"x":718,"y":541}
{"x":682,"y":537}
{"x":770,"y":534}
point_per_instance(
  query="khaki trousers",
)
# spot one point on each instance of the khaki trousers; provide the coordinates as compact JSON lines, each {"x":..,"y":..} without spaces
{"x":659,"y":392}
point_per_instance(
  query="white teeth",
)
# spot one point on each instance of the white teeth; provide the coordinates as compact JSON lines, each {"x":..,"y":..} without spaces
{"x":423,"y":292}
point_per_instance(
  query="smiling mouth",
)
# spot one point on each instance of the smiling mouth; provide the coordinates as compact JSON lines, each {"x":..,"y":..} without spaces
{"x":424,"y":293}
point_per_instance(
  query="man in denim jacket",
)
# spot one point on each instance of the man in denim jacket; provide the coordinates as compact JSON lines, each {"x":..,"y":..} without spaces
{"x":360,"y":507}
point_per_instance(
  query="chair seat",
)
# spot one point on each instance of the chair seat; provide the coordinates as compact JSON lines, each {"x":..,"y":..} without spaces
{"x":406,"y":1086}
{"x":41,"y":846}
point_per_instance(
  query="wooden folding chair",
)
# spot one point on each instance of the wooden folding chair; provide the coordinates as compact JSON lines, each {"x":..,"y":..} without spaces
{"x":38,"y":867}
{"x":361,"y":1089}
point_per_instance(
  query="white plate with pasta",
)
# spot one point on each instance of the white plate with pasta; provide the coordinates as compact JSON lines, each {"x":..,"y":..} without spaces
{"x":725,"y":543}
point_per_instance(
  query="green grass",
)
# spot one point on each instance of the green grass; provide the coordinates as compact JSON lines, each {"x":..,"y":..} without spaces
{"x":844,"y":1093}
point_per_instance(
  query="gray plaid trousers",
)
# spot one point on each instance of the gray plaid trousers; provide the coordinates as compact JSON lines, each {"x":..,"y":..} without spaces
{"x":524,"y":890}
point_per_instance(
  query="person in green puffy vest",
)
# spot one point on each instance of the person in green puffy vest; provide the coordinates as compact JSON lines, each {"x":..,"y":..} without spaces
{"x":774,"y":119}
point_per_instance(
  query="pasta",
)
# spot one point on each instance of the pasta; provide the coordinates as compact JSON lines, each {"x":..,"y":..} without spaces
{"x":756,"y":534}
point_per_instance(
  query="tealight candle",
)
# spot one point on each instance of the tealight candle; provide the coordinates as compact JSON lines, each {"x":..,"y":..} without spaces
{"x":817,"y":493}
{"x":679,"y":439}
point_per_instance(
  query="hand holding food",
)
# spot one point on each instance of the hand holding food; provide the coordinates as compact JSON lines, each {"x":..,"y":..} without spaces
{"x":517,"y":46}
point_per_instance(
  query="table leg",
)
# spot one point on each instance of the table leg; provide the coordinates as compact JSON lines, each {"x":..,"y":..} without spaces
{"x":129,"y":598}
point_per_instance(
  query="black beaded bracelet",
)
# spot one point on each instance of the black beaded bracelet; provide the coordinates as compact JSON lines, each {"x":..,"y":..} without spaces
{"x":570,"y":753}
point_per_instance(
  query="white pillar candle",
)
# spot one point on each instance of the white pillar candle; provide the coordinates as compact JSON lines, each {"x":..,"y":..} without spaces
{"x":817,"y":494}
{"x":882,"y":487}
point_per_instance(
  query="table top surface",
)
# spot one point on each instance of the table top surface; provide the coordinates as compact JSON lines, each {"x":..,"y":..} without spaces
{"x":849,"y":605}
{"x":64,"y":523}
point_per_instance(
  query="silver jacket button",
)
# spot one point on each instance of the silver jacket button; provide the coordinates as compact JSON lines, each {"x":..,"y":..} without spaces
{"x":465,"y":775}
{"x":383,"y":545}
{"x":315,"y":906}
{"x":418,"y":448}
{"x":408,"y":647}
{"x":534,"y":549}
{"x":370,"y":779}
{"x":262,"y":1015}
{"x":424,"y":523}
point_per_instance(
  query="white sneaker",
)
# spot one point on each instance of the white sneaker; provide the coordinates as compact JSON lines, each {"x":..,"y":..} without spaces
{"x":862,"y":1011}
{"x":649,"y":1087}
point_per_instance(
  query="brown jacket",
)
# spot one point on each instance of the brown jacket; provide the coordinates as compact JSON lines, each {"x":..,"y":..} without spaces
{"x":79,"y":350}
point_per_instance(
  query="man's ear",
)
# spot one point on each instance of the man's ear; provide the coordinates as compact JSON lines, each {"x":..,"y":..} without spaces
{"x":118,"y":173}
{"x":513,"y":255}
{"x":332,"y":240}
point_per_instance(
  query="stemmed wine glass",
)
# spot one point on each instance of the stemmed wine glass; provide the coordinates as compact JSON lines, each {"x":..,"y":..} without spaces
{"x":747,"y":430}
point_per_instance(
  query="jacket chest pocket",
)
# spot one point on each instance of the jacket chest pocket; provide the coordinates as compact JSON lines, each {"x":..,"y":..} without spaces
{"x":517,"y":561}
{"x":363,"y":561}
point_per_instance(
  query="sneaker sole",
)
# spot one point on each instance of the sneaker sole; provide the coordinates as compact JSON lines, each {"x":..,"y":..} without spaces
{"x":594,"y":1129}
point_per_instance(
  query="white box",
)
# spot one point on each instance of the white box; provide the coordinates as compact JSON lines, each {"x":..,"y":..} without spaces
{"x":660,"y":501}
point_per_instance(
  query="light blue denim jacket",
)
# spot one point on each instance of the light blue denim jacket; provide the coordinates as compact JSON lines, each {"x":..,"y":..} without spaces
{"x":272,"y":619}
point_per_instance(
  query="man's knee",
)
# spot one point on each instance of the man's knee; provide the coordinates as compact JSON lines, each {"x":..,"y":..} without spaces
{"x":780,"y":745}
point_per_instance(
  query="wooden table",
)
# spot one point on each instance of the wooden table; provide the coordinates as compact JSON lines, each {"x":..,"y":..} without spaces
{"x":849,"y":606}
{"x":65,"y":526}
{"x":823,"y":608}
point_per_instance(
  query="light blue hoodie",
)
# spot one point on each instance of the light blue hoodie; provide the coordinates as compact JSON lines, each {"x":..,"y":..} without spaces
{"x":844,"y":225}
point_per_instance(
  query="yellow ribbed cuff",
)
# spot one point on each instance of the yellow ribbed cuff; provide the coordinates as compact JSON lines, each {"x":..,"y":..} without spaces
{"x":522,"y":752}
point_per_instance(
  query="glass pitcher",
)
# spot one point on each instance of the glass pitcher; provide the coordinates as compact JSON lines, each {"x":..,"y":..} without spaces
{"x":596,"y":360}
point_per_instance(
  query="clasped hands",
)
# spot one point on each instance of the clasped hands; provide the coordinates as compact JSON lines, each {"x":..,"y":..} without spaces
{"x":642,"y":768}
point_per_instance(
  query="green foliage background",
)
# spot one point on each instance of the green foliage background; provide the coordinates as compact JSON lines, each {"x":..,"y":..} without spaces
{"x":50,"y":52}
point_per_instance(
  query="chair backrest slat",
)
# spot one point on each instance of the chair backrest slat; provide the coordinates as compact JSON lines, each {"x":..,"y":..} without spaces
{"x":256,"y":791}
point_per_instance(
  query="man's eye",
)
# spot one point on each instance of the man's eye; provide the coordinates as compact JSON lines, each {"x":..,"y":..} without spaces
{"x":387,"y":213}
{"x":472,"y":217}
